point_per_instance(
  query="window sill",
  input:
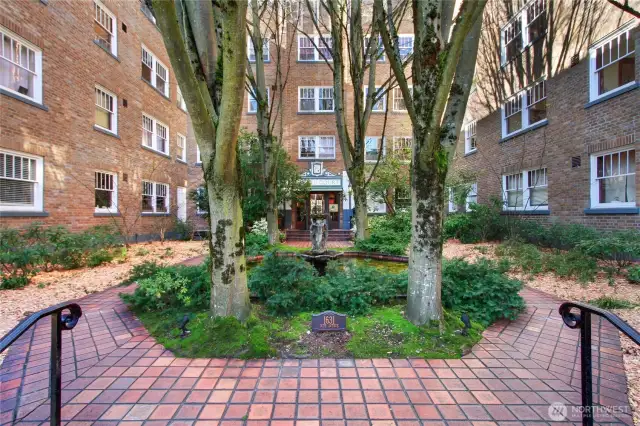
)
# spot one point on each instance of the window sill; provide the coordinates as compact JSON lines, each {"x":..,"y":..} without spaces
{"x":526,"y":212}
{"x":156,"y":152}
{"x":23,"y":99}
{"x":103,"y":48}
{"x":157,"y":90}
{"x":264,"y":62}
{"x":315,"y":112}
{"x":467,"y":154}
{"x":155,"y":214}
{"x":321,"y":61}
{"x":612,"y":94}
{"x":523,"y":131}
{"x":24,"y":214}
{"x":105,"y":214}
{"x":317,"y":159}
{"x":612,"y":210}
{"x":198,"y":163}
{"x":180,"y":161}
{"x":106,"y":132}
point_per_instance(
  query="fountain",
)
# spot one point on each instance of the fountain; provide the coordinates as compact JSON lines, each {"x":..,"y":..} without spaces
{"x":319,"y":256}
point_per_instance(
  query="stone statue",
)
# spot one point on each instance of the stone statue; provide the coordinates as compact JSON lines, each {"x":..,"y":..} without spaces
{"x":319,"y":234}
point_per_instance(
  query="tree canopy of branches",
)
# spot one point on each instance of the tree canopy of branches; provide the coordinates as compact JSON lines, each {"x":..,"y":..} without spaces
{"x":441,"y":85}
{"x":207,"y":47}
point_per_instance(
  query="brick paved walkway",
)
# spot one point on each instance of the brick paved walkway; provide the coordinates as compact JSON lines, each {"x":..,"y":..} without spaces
{"x":114,"y":373}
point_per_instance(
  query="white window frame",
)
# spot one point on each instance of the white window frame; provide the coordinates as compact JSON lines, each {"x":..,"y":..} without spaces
{"x":539,"y":90}
{"x":383,"y":99}
{"x":316,"y":45}
{"x":200,"y":211}
{"x":593,"y":175}
{"x":397,"y":96}
{"x":317,"y":147}
{"x":317,"y":90}
{"x":379,"y":140}
{"x":181,"y":138}
{"x":473,"y":193}
{"x":37,"y":74}
{"x":154,"y":195}
{"x":471,"y":137}
{"x":114,"y":25}
{"x":154,"y":70}
{"x":38,"y":190}
{"x":453,"y":208}
{"x":521,"y":18}
{"x":404,"y":139}
{"x":180,"y":99}
{"x":407,"y":37}
{"x":114,"y":198}
{"x":593,"y":70}
{"x":114,"y":113}
{"x":154,"y":135}
{"x":250,"y":98}
{"x":526,"y":190}
{"x":198,"y":155}
{"x":266,"y":50}
{"x":381,"y":52}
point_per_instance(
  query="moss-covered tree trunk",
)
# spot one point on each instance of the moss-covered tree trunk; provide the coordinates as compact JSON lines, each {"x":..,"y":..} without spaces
{"x":358,"y":187}
{"x":206,"y":44}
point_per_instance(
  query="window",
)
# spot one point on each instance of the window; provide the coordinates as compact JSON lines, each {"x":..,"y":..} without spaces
{"x":106,"y":192}
{"x":613,"y":179}
{"x":307,"y":52}
{"x":21,"y":182}
{"x":181,"y":147}
{"x":317,"y":147}
{"x":20,"y":66}
{"x":471,"y":198}
{"x":379,"y":54}
{"x":105,"y":28}
{"x":253,"y":104}
{"x":199,"y":205}
{"x":154,"y":72}
{"x":315,"y":99}
{"x":251,"y":51}
{"x":405,"y":45}
{"x":398,"y":99}
{"x":380,"y":104}
{"x":533,"y":99}
{"x":155,"y":134}
{"x":472,"y":195}
{"x":533,"y":18}
{"x":198,"y":156}
{"x":402,"y":147}
{"x":612,"y":64}
{"x":155,"y":197}
{"x":470,"y":141}
{"x":527,"y":190}
{"x":372,"y":147}
{"x":181,"y":103}
{"x":106,"y":110}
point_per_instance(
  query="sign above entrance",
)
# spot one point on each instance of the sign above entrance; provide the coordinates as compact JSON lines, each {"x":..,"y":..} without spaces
{"x":322,"y":179}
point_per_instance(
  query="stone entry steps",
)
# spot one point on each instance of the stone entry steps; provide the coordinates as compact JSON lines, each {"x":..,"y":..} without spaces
{"x":303,"y":235}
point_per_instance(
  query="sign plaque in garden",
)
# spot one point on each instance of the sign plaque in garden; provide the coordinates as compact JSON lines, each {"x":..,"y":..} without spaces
{"x":328,"y":321}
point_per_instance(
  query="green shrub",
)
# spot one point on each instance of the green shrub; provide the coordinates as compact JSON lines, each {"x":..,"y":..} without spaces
{"x":172,"y":286}
{"x":480,"y":289}
{"x":184,"y":229}
{"x":99,"y":257}
{"x":483,"y":222}
{"x":143,"y":270}
{"x":607,"y":302}
{"x":572,"y":263}
{"x":616,"y":249}
{"x":256,"y":244}
{"x":633,"y":274}
{"x":18,"y":261}
{"x":388,"y":234}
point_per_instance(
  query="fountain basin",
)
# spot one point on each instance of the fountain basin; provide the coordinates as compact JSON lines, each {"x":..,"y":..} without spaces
{"x":319,"y":259}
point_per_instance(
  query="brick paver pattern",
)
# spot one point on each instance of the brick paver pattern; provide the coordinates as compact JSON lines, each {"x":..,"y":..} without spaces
{"x":115,"y":373}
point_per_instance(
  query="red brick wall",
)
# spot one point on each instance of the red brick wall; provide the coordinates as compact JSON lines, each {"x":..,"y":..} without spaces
{"x":64,"y":135}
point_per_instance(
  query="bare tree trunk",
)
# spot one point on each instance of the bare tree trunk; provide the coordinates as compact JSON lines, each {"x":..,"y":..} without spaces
{"x":270,"y":186}
{"x":361,"y":209}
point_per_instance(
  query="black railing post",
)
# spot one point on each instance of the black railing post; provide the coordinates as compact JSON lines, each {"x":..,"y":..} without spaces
{"x":586,"y":372}
{"x":55,"y":378}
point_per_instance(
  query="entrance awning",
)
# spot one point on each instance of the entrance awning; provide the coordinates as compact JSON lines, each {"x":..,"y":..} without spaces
{"x":324,"y":180}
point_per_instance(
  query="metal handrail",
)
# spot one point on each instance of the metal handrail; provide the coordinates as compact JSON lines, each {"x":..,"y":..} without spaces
{"x":582,"y":321}
{"x":59,"y":322}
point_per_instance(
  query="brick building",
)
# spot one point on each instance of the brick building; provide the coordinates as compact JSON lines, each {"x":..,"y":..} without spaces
{"x":309,"y":123}
{"x":553,"y":123}
{"x":92,"y":131}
